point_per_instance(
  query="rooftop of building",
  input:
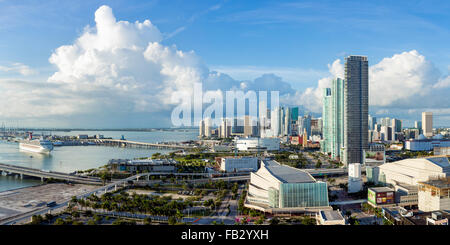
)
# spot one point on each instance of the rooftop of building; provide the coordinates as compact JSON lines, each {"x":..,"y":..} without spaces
{"x":288,"y":174}
{"x":331,"y":215}
{"x":443,"y":183}
{"x":426,"y":163}
{"x":380,"y":189}
{"x":143,"y":161}
{"x":407,"y":186}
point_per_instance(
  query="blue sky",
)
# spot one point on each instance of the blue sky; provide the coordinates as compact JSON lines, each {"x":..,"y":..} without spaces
{"x":295,"y":40}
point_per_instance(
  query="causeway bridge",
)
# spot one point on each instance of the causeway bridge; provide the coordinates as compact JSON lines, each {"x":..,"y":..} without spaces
{"x":128,"y":143}
{"x":21,"y":171}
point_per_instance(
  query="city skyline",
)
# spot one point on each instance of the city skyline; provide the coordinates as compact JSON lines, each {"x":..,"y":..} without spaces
{"x":79,"y":80}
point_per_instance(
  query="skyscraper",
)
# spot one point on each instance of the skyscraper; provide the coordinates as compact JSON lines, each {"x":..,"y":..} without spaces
{"x":248,"y":126}
{"x":418,"y":124}
{"x":332,"y":117}
{"x":372,"y":122}
{"x":287,"y":121}
{"x":275,"y":121}
{"x":356,"y":109}
{"x":207,"y":128}
{"x":396,"y":125}
{"x":427,"y":124}
{"x":201,"y":128}
{"x":263,"y":119}
{"x":305,"y":125}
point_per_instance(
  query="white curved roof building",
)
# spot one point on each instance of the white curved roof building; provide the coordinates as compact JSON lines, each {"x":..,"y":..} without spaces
{"x":278,"y":188}
{"x":412,"y":171}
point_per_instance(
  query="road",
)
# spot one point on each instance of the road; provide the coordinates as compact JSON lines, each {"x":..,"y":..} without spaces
{"x":222,"y":215}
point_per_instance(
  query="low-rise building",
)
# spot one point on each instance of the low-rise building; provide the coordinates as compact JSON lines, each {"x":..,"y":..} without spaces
{"x":434,"y":195}
{"x":82,"y":136}
{"x":445,"y":151}
{"x":437,"y":218}
{"x":381,"y":196}
{"x":258,"y":144}
{"x":330,"y":217}
{"x":239,"y":164}
{"x":147,"y":165}
{"x":406,"y":195}
{"x":424,"y":144}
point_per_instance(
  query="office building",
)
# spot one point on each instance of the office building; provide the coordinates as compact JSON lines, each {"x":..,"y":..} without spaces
{"x":396,"y":125}
{"x":418,"y":125}
{"x":278,"y":188}
{"x":427,"y":124}
{"x":372,"y":121}
{"x":275,"y":121}
{"x":225,"y":128}
{"x":305,"y":125}
{"x":356,"y":108}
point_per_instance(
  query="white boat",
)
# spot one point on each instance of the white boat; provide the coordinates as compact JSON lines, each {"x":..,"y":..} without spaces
{"x":37,"y":146}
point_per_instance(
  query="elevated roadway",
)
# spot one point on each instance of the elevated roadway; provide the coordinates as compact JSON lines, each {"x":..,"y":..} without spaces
{"x":19,"y":170}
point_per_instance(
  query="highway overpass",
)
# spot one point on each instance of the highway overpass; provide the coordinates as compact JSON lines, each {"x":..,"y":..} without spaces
{"x":25,"y":171}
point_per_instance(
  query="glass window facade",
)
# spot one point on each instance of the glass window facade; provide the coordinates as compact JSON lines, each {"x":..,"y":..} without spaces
{"x":303,"y":195}
{"x":273,"y":197}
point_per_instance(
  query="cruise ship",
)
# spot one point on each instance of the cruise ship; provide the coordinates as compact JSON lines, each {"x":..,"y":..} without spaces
{"x":38,"y":146}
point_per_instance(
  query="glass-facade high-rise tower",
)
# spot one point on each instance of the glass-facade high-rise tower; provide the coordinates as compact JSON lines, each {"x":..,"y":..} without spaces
{"x":333,"y":118}
{"x":356,"y":109}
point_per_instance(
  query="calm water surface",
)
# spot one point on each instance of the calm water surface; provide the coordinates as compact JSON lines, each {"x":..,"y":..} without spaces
{"x":71,"y":158}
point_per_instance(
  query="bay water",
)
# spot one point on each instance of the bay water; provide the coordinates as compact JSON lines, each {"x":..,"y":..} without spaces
{"x":68,"y":159}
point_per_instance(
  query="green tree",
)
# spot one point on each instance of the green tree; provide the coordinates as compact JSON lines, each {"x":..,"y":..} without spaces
{"x":172,"y":220}
{"x":91,"y":222}
{"x":274,"y":221}
{"x":59,"y":221}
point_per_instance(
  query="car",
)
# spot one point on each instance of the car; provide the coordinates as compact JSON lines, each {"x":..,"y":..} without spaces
{"x":51,"y":204}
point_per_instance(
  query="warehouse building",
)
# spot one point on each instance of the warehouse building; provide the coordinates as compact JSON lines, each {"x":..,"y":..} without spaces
{"x":276,"y":188}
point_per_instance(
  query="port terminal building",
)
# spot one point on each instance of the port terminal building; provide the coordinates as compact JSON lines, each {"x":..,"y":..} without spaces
{"x":239,"y":164}
{"x":280,"y":189}
{"x":145,"y":165}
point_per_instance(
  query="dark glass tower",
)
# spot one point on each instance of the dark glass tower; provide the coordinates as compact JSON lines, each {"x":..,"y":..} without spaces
{"x":356,"y":109}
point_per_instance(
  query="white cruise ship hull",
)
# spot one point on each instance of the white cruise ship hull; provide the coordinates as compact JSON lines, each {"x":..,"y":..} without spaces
{"x":34,"y":148}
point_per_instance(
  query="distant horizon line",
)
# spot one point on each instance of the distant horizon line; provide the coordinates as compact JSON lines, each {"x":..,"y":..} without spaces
{"x":131,"y":129}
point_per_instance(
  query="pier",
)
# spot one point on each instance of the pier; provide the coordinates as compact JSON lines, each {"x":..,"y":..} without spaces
{"x":25,"y":171}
